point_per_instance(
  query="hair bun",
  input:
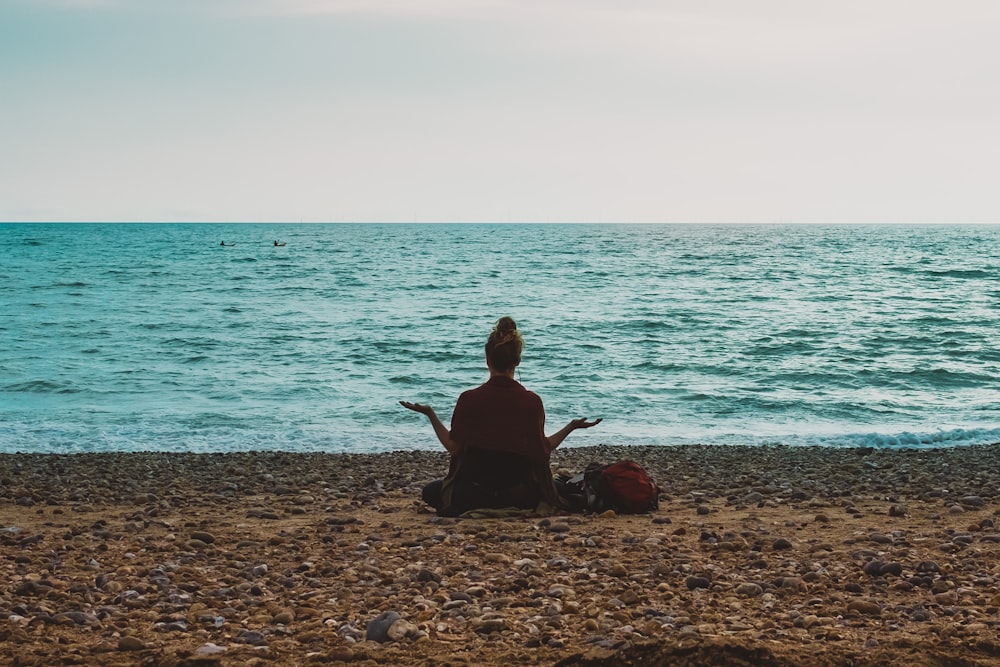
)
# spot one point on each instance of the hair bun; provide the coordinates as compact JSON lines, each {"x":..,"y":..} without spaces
{"x":505,"y":326}
{"x":503,"y":349}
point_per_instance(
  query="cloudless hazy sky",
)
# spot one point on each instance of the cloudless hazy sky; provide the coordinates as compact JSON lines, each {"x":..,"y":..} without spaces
{"x":497,"y":110}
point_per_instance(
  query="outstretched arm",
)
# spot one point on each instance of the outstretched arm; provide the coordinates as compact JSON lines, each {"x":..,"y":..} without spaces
{"x":556,"y":438}
{"x":440,"y":430}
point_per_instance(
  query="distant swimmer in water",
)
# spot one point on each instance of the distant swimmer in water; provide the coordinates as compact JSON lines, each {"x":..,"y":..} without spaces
{"x":228,"y":245}
{"x":278,"y":245}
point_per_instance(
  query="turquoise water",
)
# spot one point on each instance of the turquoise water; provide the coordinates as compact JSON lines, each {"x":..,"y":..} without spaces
{"x":153,"y":337}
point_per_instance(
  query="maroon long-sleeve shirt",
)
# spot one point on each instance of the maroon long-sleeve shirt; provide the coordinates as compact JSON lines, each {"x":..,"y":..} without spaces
{"x":501,"y":415}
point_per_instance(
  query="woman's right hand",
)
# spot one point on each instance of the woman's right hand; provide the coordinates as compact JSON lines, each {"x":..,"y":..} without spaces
{"x":418,"y":407}
{"x":440,"y":430}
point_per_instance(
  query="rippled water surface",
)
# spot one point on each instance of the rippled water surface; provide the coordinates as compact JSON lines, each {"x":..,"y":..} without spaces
{"x":136,"y":337}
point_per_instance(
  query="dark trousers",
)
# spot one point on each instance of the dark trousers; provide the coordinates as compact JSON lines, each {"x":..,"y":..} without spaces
{"x":432,"y":494}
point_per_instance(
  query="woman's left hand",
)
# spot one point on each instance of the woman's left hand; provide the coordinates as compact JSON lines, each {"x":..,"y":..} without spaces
{"x":583,"y":423}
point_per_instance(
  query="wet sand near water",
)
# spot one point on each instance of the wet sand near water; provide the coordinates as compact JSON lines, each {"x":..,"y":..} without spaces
{"x":756,"y":556}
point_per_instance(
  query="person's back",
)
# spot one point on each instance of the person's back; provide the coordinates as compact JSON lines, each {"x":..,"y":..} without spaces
{"x":501,"y":415}
{"x":499,"y":450}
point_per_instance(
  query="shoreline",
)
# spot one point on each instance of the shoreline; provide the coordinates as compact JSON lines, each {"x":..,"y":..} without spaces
{"x":769,"y":555}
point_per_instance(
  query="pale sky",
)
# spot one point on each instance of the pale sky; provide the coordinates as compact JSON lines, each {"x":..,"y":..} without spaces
{"x":500,"y":110}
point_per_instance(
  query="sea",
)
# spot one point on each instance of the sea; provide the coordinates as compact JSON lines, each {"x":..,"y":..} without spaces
{"x":156,"y":337}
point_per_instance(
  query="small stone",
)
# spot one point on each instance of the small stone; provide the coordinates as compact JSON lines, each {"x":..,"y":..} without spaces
{"x":427,"y":575}
{"x":946,"y":598}
{"x":781,"y":544}
{"x":898,"y":510}
{"x":489,"y":625}
{"x":895,"y":569}
{"x":558,"y":591}
{"x":401,"y":629}
{"x":791,"y":583}
{"x":940,"y":586}
{"x":807,"y":621}
{"x":75,"y":618}
{"x":749,"y":589}
{"x":202,"y":536}
{"x":253,"y":638}
{"x":209,"y":649}
{"x":688,"y":631}
{"x":865,"y":607}
{"x":130,"y":643}
{"x":629,"y":597}
{"x":500,"y":558}
{"x":340,"y":654}
{"x":873,"y":568}
{"x":618,"y":571}
{"x":377,"y":629}
{"x":697,"y":582}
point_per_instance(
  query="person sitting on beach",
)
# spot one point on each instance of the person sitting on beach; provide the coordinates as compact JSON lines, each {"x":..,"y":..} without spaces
{"x":497,"y":442}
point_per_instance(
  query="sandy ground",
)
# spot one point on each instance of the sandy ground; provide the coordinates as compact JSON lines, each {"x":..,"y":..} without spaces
{"x":756,"y":556}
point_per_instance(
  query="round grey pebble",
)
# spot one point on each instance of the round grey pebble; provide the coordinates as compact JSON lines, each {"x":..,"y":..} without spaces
{"x":377,"y":629}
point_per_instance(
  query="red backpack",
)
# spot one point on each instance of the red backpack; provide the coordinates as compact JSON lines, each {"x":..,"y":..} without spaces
{"x":624,"y":487}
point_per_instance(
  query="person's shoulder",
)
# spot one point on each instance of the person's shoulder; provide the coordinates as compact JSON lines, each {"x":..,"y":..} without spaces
{"x":532,"y":396}
{"x":474,"y":391}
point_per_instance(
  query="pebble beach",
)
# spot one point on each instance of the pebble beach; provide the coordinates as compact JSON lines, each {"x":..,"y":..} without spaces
{"x":756,"y":556}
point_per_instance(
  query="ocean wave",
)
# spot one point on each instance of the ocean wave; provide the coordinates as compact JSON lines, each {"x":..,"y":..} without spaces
{"x":76,"y":284}
{"x":41,"y":387}
{"x":906,"y":439}
{"x":237,"y":431}
{"x":937,"y":378}
{"x":959,"y":273}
